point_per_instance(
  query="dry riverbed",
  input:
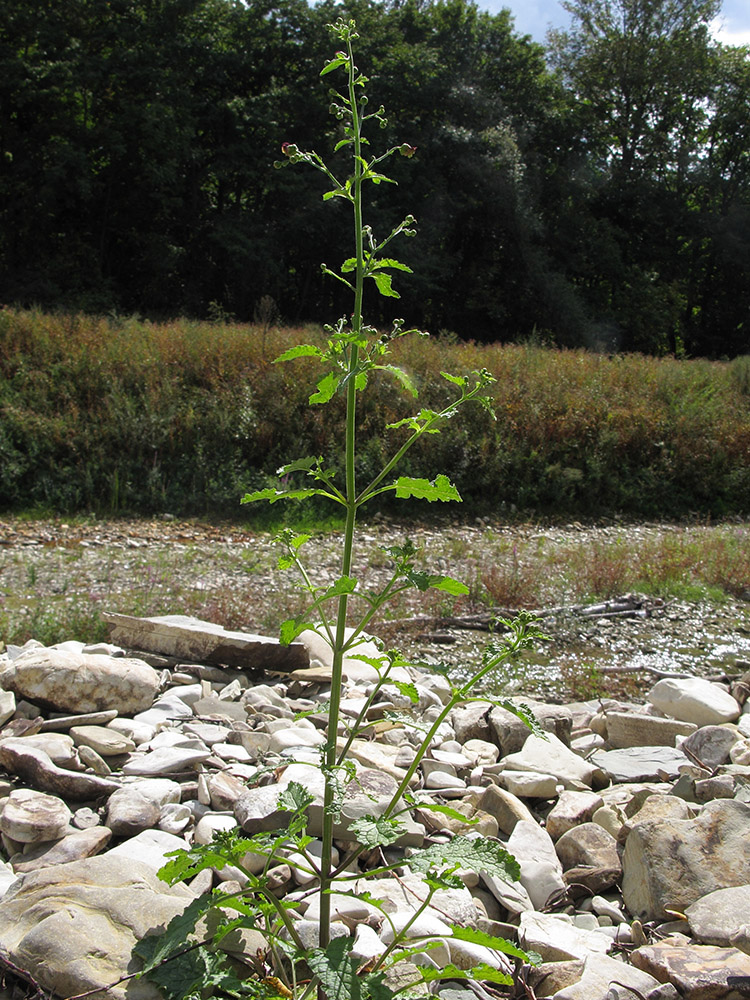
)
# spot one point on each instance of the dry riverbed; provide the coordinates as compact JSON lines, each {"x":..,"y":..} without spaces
{"x":58,"y":575}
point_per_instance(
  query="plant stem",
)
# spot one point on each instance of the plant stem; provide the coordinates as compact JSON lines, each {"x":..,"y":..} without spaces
{"x":351,"y":515}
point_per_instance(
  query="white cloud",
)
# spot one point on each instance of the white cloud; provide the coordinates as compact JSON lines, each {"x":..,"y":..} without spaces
{"x":727,"y":31}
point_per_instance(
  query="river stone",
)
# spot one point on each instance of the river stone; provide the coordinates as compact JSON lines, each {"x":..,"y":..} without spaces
{"x":550,"y":756}
{"x":197,"y":641}
{"x":711,"y":745}
{"x":557,"y":939}
{"x":59,"y":747}
{"x":79,"y":682}
{"x":129,"y":812}
{"x":541,"y":871}
{"x":693,"y":699}
{"x":529,"y":784}
{"x":471,"y":722}
{"x":510,"y":733}
{"x":570,"y":810}
{"x":167,"y":760}
{"x":639,"y":763}
{"x":73,"y":927}
{"x":713,"y":918}
{"x":599,"y":972}
{"x":7,"y":706}
{"x":507,"y":808}
{"x":669,"y":864}
{"x":699,"y":971}
{"x":106,"y":742}
{"x":587,"y":845}
{"x":150,"y":848}
{"x":655,"y":806}
{"x":34,"y":817}
{"x":73,"y":847}
{"x":636,"y":729}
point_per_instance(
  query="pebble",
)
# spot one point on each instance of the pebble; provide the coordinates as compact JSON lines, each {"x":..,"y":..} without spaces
{"x":182,"y":767}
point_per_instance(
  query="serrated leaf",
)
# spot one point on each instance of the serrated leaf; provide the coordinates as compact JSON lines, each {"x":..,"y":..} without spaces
{"x":451,"y":813}
{"x":476,"y":855}
{"x":344,"y":585}
{"x":500,"y":944}
{"x":300,"y":465}
{"x":372,"y":831}
{"x":295,"y":797}
{"x":272,"y":495}
{"x":336,"y":970}
{"x":402,"y":377}
{"x":326,"y":388}
{"x":383,"y":281}
{"x":422,"y":489}
{"x":448,"y":585}
{"x":455,"y":379}
{"x":479,"y":974}
{"x":291,"y":628}
{"x":390,"y":262}
{"x":524,"y":713}
{"x":341,"y":143}
{"x":154,"y":949}
{"x":300,"y":351}
{"x":408,"y":689}
{"x":349,"y":265}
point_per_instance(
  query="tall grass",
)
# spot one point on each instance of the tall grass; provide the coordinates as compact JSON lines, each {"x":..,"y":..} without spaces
{"x":119,"y":415}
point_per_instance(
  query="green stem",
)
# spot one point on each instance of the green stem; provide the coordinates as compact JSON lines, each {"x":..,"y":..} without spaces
{"x":351,"y":514}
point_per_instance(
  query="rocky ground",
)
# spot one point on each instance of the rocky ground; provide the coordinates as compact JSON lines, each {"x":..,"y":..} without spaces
{"x":228,"y":574}
{"x":630,"y":820}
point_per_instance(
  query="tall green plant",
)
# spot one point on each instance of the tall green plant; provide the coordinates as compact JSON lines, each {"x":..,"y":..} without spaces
{"x":353,"y":352}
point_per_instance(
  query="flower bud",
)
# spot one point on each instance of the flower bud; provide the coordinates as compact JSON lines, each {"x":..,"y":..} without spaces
{"x":289,"y":149}
{"x":406,"y":150}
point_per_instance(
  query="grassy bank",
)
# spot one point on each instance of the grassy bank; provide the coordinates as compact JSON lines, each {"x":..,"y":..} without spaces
{"x":115,"y":415}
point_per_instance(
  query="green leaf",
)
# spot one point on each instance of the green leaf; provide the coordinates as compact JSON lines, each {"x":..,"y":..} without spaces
{"x":332,"y":65}
{"x":336,"y":970}
{"x":455,"y":379}
{"x":402,"y":377}
{"x":273,"y":495}
{"x":372,"y":831}
{"x":349,"y":265}
{"x":295,"y":797}
{"x":291,"y":628}
{"x":383,"y":281}
{"x":437,"y":807}
{"x":301,"y":465}
{"x":441,"y":489}
{"x":479,"y":974}
{"x":340,"y":145}
{"x":300,"y":351}
{"x":326,"y":388}
{"x":389,"y":262}
{"x":448,"y":585}
{"x":344,"y":585}
{"x":408,"y":689}
{"x":154,"y":949}
{"x":474,"y":936}
{"x":476,"y":855}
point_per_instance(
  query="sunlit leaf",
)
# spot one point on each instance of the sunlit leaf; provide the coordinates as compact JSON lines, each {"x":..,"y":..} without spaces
{"x":422,"y":489}
{"x":300,"y":351}
{"x":326,"y":388}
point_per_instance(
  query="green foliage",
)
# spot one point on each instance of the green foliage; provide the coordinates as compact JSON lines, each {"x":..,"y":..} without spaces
{"x":184,"y":417}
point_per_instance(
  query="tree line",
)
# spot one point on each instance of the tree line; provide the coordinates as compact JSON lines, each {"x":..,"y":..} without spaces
{"x":591,"y":192}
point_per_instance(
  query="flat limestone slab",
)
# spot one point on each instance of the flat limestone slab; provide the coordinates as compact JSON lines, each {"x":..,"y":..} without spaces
{"x":198,"y":641}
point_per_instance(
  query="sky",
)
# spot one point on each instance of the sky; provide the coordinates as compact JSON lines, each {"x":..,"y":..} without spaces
{"x":534,"y":17}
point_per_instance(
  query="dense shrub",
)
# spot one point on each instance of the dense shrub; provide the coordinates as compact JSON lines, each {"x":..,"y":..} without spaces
{"x":121,"y":415}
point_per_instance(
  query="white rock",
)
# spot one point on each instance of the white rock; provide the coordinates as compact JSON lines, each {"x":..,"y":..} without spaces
{"x":174,"y":817}
{"x":693,"y":699}
{"x":551,"y":756}
{"x":529,"y":784}
{"x":150,"y":848}
{"x":209,"y":824}
{"x":168,"y":760}
{"x":33,"y":817}
{"x":557,"y":939}
{"x":7,"y":706}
